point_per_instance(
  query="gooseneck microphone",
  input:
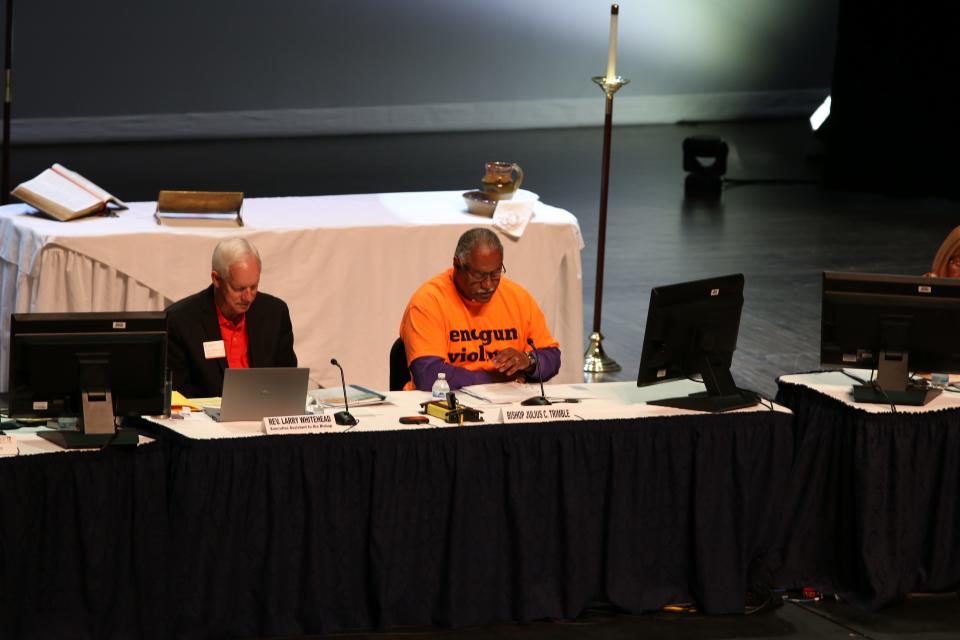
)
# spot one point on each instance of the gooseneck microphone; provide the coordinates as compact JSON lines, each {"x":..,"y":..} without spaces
{"x":542,"y":398}
{"x":343,"y":417}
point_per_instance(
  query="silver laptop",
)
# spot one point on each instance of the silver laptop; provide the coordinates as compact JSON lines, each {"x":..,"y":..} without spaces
{"x":252,"y":394}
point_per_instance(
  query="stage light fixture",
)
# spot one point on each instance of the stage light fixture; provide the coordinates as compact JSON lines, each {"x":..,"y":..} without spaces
{"x":705,"y":161}
{"x":820,"y":116}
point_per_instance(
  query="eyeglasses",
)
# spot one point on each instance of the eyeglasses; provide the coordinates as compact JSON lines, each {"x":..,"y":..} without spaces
{"x":954,"y":261}
{"x":480,"y":276}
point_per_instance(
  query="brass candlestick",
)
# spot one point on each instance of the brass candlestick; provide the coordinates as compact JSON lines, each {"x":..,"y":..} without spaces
{"x":595,"y":360}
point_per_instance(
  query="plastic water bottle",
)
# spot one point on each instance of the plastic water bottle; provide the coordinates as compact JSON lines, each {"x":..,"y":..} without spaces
{"x":440,"y":387}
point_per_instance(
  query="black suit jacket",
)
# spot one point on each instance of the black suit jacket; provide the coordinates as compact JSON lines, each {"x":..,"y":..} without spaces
{"x":193,"y":321}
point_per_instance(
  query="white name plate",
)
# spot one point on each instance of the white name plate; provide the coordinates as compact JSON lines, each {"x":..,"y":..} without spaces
{"x":545,"y":413}
{"x":588,"y":410}
{"x":284,"y":425}
{"x":8,"y":446}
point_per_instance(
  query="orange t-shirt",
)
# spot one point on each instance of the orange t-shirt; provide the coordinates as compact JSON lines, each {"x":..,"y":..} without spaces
{"x":439,"y":322}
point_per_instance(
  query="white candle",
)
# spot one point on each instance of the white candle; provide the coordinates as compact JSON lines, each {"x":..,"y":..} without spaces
{"x":612,"y":54}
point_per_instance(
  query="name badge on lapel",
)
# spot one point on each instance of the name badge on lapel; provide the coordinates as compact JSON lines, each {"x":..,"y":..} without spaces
{"x":214,"y":349}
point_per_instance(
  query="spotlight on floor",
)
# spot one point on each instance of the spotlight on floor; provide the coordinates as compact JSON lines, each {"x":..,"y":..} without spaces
{"x":705,"y":161}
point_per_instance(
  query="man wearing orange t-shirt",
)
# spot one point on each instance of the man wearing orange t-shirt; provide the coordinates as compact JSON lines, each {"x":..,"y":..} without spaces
{"x":472,"y":324}
{"x":229,"y":324}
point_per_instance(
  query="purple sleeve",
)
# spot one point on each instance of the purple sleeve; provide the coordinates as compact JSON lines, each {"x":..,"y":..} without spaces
{"x":549,"y":363}
{"x":424,"y":373}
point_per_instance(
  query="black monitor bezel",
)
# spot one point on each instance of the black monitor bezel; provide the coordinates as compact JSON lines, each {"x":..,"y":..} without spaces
{"x":672,"y":349}
{"x":936,"y":299}
{"x":96,"y":330}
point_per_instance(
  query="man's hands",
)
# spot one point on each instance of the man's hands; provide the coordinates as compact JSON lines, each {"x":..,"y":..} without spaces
{"x":510,"y":362}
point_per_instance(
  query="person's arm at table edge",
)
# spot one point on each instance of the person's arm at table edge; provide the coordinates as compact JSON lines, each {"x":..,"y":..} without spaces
{"x":424,"y":372}
{"x":549,"y":358}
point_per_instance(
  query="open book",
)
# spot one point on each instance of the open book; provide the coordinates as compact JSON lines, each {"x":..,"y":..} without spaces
{"x":64,"y":194}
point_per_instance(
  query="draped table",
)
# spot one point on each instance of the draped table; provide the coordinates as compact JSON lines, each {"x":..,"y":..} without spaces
{"x":873,"y":511}
{"x":83,"y":541}
{"x":346,"y":266}
{"x":389,"y":526}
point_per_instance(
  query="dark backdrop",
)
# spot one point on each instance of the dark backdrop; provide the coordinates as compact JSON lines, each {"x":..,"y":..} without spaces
{"x":893,"y":124}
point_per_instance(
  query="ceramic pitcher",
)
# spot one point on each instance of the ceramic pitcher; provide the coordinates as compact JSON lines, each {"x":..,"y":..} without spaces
{"x":502,"y":179}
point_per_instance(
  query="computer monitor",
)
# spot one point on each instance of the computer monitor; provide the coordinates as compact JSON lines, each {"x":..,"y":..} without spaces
{"x":692,"y":331}
{"x":95,"y":367}
{"x":894,"y":324}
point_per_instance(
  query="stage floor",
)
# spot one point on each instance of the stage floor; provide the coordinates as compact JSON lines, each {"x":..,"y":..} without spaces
{"x":921,"y":618}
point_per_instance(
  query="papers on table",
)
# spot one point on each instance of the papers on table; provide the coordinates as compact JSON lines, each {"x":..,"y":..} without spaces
{"x":356,"y":395}
{"x":207,"y":403}
{"x":178,"y":401}
{"x":512,"y":392}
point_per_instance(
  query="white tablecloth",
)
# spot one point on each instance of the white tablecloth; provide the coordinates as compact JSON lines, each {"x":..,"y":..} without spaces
{"x":598,"y":401}
{"x":839,"y":386}
{"x":30,"y":444}
{"x":346,"y":265}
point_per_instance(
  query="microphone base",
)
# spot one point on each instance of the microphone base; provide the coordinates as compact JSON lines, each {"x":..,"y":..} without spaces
{"x":344,"y":418}
{"x":535,"y":401}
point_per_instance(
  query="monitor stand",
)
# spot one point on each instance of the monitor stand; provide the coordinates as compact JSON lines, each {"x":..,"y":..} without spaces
{"x":893,"y":384}
{"x":703,"y":401}
{"x":912,"y":396}
{"x":98,"y":427}
{"x":81,"y":440}
{"x":722,"y":393}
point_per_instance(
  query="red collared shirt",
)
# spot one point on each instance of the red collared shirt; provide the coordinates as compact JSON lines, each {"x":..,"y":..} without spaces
{"x":234,"y":340}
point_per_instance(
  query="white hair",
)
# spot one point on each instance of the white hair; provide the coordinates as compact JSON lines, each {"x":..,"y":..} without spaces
{"x":477,"y":237}
{"x":232,"y":250}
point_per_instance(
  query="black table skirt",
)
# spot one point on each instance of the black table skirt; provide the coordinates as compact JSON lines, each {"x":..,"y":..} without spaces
{"x":874,"y":505}
{"x":308,"y":534}
{"x":83,"y":545}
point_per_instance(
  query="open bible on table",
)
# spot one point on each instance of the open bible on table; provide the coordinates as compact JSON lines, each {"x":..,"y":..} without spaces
{"x":65,"y":194}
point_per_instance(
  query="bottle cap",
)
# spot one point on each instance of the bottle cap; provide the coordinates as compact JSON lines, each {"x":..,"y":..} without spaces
{"x":442,"y":376}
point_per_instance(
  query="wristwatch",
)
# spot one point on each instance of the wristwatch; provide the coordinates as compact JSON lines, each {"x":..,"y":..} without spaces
{"x":532,"y":358}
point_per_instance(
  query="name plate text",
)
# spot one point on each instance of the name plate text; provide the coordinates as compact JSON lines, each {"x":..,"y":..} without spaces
{"x":284,"y":425}
{"x":8,"y":446}
{"x":546,"y":413}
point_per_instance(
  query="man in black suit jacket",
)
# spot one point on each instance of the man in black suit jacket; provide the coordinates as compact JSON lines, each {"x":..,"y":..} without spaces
{"x":229,"y":323}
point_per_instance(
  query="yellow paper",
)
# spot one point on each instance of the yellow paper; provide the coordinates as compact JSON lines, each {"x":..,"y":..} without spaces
{"x":179,"y":400}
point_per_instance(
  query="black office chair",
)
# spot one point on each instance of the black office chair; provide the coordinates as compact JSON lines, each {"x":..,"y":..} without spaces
{"x":399,"y":372}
